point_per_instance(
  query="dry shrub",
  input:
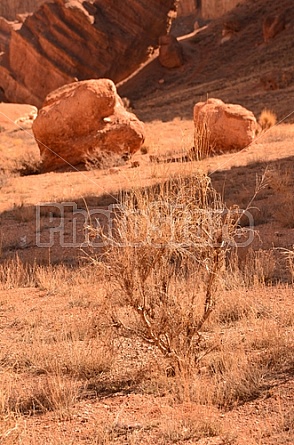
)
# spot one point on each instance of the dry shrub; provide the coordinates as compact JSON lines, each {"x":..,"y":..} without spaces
{"x":267,"y":119}
{"x":163,"y":259}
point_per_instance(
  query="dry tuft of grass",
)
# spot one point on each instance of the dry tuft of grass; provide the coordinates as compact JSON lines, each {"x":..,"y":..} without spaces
{"x":267,"y":119}
{"x":186,"y":426}
{"x":47,"y":393}
{"x":14,"y":274}
{"x":203,"y":146}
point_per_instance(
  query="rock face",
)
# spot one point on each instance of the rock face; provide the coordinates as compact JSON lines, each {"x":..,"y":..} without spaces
{"x":228,"y":126}
{"x":5,"y":33}
{"x":83,"y":121}
{"x":170,"y":52}
{"x":273,"y":25}
{"x":207,"y":9}
{"x":10,"y":8}
{"x":187,"y":7}
{"x":68,"y":39}
{"x":211,"y":9}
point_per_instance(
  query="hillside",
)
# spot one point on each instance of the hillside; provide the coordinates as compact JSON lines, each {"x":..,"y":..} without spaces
{"x":241,"y":70}
{"x":64,"y":41}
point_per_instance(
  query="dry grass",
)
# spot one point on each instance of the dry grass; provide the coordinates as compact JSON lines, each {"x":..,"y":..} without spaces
{"x":193,"y":424}
{"x":163,"y":259}
{"x":281,"y":180}
{"x":80,"y":338}
{"x":289,"y":254}
{"x":66,"y":346}
{"x":203,"y":146}
{"x":267,"y":119}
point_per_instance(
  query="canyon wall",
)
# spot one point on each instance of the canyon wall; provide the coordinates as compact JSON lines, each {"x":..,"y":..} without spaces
{"x":211,"y":9}
{"x":68,"y":40}
{"x":207,"y":9}
{"x":10,"y":8}
{"x":187,"y":7}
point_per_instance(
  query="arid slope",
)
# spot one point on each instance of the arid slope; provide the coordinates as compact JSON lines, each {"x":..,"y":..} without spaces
{"x":239,"y":70}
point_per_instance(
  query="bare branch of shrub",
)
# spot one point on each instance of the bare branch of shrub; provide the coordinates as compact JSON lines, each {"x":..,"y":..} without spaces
{"x":164,"y":258}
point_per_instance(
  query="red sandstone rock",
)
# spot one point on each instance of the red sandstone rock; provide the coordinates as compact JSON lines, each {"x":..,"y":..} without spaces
{"x":11,"y":8}
{"x":80,"y":121}
{"x":229,"y":127}
{"x":5,"y":33}
{"x":170,"y":52}
{"x":68,"y":39}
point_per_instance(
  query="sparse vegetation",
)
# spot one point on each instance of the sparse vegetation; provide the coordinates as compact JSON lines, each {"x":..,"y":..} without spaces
{"x":165,"y":335}
{"x":203,"y":146}
{"x":164,"y":260}
{"x":144,"y":149}
{"x":267,"y":119}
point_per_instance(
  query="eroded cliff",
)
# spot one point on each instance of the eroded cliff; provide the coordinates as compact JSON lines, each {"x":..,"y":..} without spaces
{"x":211,"y":9}
{"x":66,"y":40}
{"x":9,"y":9}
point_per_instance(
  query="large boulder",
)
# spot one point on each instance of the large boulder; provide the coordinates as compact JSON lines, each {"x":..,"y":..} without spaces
{"x":68,"y":39}
{"x":226,"y":126}
{"x":82,"y":120}
{"x":170,"y":52}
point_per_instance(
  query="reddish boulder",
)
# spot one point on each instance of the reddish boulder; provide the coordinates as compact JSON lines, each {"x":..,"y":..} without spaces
{"x":273,"y":25}
{"x":170,"y":52}
{"x":81,"y":121}
{"x":226,"y":126}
